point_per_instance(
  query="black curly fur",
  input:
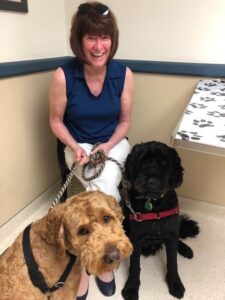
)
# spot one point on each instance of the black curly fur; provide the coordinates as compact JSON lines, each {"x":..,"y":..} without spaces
{"x":154,"y":171}
{"x":188,"y":227}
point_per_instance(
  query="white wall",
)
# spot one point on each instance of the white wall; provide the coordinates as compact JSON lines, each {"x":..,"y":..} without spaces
{"x":40,"y":33}
{"x":174,"y":30}
{"x":162,"y":30}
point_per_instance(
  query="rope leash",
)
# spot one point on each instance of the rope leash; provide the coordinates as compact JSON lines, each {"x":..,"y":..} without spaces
{"x":64,"y":187}
{"x":97,"y":161}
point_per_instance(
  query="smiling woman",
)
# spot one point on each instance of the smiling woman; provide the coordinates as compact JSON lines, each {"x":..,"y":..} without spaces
{"x":16,"y":5}
{"x":90,"y":106}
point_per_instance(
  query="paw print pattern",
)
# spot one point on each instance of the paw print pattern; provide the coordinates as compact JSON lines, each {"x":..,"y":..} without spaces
{"x":218,"y":81}
{"x":210,"y":84}
{"x":195,"y":136}
{"x":197,"y":105}
{"x":204,"y":118}
{"x":207,"y":99}
{"x":203,"y":89}
{"x":183,"y":134}
{"x":202,"y":106}
{"x":217,"y":94}
{"x":194,"y":105}
{"x":188,"y":112}
{"x":186,"y":136}
{"x":221,"y":137}
{"x":203,"y":123}
{"x":216,"y":114}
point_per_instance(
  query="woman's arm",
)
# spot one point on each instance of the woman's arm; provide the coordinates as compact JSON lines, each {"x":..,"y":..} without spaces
{"x":57,"y":107}
{"x":125,"y":115}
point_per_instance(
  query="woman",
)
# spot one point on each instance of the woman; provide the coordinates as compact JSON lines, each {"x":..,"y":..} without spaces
{"x":90,"y":103}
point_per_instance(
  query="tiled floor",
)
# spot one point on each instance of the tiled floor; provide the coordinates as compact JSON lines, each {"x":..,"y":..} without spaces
{"x":203,"y":276}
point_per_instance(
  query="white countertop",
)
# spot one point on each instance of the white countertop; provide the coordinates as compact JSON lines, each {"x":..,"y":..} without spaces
{"x":202,"y":126}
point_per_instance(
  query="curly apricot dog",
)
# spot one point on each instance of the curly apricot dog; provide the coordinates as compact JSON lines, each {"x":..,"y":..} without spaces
{"x":87,"y":226}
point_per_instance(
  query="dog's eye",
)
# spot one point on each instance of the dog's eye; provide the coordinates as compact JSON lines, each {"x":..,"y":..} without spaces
{"x":83,"y":231}
{"x":106,"y":219}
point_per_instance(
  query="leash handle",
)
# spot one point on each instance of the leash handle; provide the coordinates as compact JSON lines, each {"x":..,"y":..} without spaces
{"x":98,"y":159}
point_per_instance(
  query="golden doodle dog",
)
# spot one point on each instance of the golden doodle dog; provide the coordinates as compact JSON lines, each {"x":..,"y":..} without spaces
{"x":87,"y":229}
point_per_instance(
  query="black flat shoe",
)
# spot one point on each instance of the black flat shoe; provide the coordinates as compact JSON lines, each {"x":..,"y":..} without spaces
{"x":82,"y":297}
{"x":106,"y":288}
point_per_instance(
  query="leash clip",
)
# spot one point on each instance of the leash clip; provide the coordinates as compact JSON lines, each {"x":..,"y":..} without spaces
{"x":137,"y":217}
{"x":59,"y":284}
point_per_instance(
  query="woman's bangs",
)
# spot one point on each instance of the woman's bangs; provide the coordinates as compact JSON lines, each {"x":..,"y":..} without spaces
{"x":98,"y":29}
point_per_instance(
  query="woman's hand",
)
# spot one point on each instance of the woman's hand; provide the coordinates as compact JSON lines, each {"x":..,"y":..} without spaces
{"x":80,"y":156}
{"x":105,"y":147}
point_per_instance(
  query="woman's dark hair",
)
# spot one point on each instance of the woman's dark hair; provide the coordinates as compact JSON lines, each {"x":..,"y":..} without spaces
{"x":93,"y":18}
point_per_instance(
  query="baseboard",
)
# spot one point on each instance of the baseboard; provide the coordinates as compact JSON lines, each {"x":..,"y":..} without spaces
{"x":188,"y":205}
{"x":35,"y":210}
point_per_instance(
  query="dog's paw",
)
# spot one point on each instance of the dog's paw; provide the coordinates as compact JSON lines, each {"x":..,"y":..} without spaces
{"x":130,"y":294}
{"x":130,"y":291}
{"x":175,"y":285}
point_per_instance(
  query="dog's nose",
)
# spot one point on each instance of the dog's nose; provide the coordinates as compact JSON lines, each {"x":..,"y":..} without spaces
{"x":153,"y":183}
{"x":112,"y":255}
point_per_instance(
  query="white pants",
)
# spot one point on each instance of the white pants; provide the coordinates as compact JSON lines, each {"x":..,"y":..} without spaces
{"x":109,"y":179}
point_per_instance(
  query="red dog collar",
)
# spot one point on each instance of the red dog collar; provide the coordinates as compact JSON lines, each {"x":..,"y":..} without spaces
{"x":154,"y":216}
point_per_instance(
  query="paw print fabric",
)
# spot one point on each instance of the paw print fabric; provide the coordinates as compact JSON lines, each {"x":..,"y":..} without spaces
{"x":204,"y":118}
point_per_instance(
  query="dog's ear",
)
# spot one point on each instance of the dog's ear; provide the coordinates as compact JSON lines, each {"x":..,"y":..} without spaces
{"x":54,"y":231}
{"x":131,"y":164}
{"x":61,"y":241}
{"x":177,"y":169}
{"x":115,"y":207}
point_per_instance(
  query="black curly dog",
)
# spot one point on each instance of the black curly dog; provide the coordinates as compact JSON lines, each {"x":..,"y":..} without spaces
{"x":153,"y":171}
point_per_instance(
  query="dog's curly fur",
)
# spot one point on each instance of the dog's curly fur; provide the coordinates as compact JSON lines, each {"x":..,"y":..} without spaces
{"x":88,"y":225}
{"x":153,"y":171}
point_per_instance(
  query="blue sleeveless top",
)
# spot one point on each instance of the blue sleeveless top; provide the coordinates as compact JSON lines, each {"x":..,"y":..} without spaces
{"x":89,"y":118}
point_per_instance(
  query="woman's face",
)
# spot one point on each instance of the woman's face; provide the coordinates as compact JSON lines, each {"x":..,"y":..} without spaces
{"x":96,"y":49}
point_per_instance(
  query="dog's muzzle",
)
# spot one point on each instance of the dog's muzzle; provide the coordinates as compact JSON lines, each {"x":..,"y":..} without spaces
{"x":112,"y":255}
